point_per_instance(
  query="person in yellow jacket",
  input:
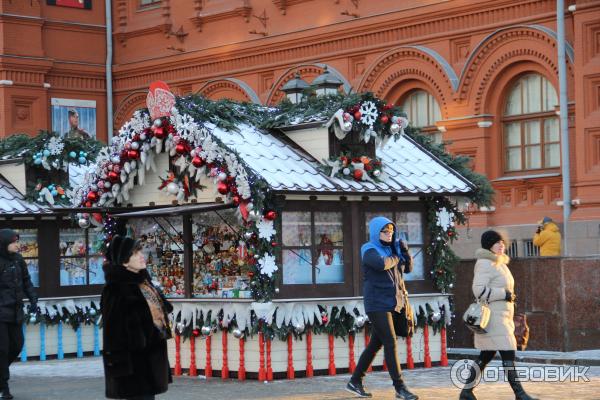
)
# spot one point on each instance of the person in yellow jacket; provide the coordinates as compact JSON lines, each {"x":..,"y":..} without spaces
{"x":547,"y":238}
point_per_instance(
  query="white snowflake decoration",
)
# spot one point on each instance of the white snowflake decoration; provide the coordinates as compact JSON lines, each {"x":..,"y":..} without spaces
{"x":445,"y":219}
{"x":368,"y":112}
{"x":266,"y":230}
{"x":55,"y":146}
{"x":267,"y":265}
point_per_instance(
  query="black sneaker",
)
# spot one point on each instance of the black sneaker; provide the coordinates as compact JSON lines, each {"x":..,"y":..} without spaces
{"x":403,"y":393}
{"x":357,"y":389}
{"x":6,"y":394}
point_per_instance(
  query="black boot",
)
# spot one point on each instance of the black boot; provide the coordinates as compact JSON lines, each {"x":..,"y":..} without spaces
{"x":358,"y":389}
{"x":467,"y":392}
{"x":402,"y":391}
{"x":520,"y":394}
{"x":6,"y":394}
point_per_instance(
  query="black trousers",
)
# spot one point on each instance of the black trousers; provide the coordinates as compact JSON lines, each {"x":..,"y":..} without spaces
{"x":11,"y":343}
{"x":485,"y":356}
{"x":383,"y":334}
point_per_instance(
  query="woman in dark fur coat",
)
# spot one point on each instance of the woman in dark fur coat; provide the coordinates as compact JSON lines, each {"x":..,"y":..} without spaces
{"x":136,"y":326}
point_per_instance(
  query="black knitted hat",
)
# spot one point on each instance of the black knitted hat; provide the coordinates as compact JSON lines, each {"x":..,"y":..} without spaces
{"x":120,"y":249}
{"x":490,"y":238}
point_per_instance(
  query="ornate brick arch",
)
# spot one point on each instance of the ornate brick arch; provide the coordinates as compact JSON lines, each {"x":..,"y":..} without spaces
{"x":230,"y":88}
{"x":308,"y":72}
{"x":503,"y":50}
{"x":133,"y":101}
{"x":411,"y":63}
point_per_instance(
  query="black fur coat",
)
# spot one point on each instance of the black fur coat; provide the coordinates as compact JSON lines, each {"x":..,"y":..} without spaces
{"x":135,"y":354}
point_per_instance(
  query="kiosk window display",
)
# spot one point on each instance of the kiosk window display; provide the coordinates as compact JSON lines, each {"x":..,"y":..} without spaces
{"x":220,"y":267}
{"x":164,"y":247}
{"x":81,"y":257}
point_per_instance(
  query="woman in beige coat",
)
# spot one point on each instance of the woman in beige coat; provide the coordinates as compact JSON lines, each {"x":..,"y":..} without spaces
{"x":493,"y":282}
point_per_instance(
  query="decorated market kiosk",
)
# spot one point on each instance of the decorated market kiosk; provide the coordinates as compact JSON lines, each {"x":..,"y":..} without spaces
{"x":257,"y":221}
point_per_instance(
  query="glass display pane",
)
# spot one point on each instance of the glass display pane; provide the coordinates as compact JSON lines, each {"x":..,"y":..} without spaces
{"x":73,"y":271}
{"x":296,"y":228}
{"x":220,"y":259}
{"x":96,"y":272}
{"x":29,"y":242}
{"x":72,"y":243}
{"x":513,"y":103}
{"x":552,"y":155}
{"x":533,"y":157}
{"x":513,"y":159}
{"x":532,"y":132}
{"x":551,"y":130}
{"x":410,"y":226}
{"x":532,"y":94}
{"x":162,"y":244}
{"x":512,"y":133}
{"x":34,"y":271}
{"x":328,"y":229}
{"x":297,"y":267}
{"x":370,"y":215}
{"x":330,"y":266}
{"x":96,"y":241}
{"x":418,"y":272}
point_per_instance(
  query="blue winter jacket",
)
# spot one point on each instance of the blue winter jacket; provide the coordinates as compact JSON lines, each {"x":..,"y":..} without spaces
{"x":379,"y":285}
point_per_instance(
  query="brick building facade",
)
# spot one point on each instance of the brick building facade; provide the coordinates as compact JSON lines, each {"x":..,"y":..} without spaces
{"x":481,"y":75}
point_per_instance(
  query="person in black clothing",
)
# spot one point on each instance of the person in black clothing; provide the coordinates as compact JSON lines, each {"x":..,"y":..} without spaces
{"x":384,"y":260}
{"x":136,"y":326}
{"x":15,"y":284}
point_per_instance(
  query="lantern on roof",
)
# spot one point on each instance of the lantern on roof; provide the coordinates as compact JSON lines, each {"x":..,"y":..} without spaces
{"x":294,"y":89}
{"x":327,"y":83}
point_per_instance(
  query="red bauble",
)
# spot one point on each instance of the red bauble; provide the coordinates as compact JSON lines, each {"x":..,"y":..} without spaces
{"x":324,"y":319}
{"x":181,"y":148}
{"x":88,"y":203}
{"x":97,"y":217}
{"x":222,"y":188}
{"x":270,"y":215}
{"x":385,"y":119}
{"x":450,"y":233}
{"x":358,"y":174}
{"x":92,"y":196}
{"x":159,"y":133}
{"x":133,"y":154}
{"x":113,"y":176}
{"x":274,"y":244}
{"x":196,"y":332}
{"x":368,"y":167}
{"x":197,"y":162}
{"x":236,"y":200}
{"x":357,"y":115}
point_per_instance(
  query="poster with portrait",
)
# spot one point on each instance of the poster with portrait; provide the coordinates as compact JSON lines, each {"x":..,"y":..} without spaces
{"x":74,"y":118}
{"x":84,"y":4}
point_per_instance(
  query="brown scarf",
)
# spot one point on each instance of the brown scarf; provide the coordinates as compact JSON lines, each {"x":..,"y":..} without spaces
{"x":155,"y":304}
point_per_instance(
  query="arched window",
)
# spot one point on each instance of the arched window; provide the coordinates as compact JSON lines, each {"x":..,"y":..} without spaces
{"x":531,"y":128}
{"x":423,"y":112}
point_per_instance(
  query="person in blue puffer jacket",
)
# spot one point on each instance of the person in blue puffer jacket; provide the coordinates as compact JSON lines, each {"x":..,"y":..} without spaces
{"x":385,"y":259}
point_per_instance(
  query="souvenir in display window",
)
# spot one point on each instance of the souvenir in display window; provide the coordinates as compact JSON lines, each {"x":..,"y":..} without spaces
{"x":163,"y":246}
{"x":80,"y":257}
{"x":312,"y":248}
{"x":29,"y":250}
{"x":220,"y":258}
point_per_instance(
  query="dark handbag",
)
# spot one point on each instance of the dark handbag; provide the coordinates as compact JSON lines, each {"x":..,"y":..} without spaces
{"x":403,"y":322}
{"x":521,"y":331}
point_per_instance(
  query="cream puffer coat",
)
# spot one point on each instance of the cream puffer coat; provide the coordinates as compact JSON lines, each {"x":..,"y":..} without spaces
{"x":492,"y":277}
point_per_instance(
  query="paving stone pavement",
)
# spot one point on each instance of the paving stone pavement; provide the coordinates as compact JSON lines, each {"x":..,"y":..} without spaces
{"x":82,"y":379}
